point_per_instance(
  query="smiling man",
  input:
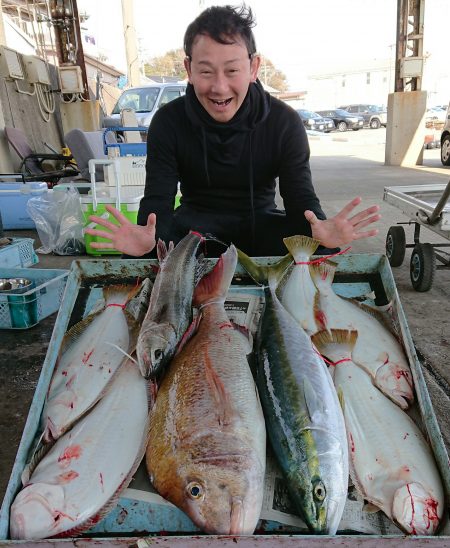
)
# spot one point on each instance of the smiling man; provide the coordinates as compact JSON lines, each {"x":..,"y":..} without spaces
{"x":226,"y":142}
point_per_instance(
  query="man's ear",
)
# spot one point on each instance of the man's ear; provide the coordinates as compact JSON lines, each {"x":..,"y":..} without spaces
{"x":187,"y":66}
{"x":255,"y":63}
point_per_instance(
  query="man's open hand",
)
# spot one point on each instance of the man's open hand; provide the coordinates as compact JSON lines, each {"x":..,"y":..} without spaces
{"x":343,"y":229}
{"x":126,"y":237}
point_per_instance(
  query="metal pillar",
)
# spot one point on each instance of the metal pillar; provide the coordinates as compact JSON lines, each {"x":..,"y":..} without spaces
{"x":409,"y":50}
{"x":69,"y":46}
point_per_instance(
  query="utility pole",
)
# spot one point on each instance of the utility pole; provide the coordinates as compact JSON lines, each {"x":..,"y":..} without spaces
{"x":131,"y":49}
{"x":69,"y":45}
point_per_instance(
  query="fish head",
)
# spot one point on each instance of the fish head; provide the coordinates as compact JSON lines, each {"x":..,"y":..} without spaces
{"x":395,"y":381}
{"x":155,"y":347}
{"x":222,"y":498}
{"x":319,"y":486}
{"x":38,"y":511}
{"x":415,"y":510}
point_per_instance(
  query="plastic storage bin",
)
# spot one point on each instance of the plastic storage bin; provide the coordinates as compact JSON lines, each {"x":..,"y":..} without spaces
{"x":13,"y":203}
{"x":18,"y":254}
{"x":22,"y":310}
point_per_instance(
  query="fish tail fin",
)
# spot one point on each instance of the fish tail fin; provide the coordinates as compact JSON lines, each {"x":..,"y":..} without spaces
{"x":215,"y":285}
{"x":120,"y":294}
{"x":301,"y":246}
{"x":341,"y":339}
{"x":264,"y":274}
{"x":323,"y":273}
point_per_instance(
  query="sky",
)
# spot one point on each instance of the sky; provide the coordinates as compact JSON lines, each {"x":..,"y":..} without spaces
{"x":300,"y":37}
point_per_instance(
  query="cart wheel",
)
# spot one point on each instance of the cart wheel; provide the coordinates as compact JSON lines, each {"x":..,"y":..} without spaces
{"x":422,"y":267}
{"x":395,"y":245}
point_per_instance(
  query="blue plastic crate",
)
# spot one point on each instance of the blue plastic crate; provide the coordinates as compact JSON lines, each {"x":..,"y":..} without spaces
{"x":125,"y":149}
{"x":24,"y":310}
{"x":18,"y":254}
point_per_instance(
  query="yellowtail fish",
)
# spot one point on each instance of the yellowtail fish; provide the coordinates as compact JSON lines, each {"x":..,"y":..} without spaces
{"x":79,"y":480}
{"x":208,"y":449}
{"x":91,"y":353}
{"x":376,"y":349}
{"x":303,"y":417}
{"x":392,"y":466}
{"x":170,"y":309}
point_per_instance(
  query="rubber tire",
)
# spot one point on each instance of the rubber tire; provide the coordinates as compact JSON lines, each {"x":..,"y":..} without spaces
{"x":342,"y":126}
{"x":395,"y":245}
{"x":422,"y":267}
{"x":375,"y":124}
{"x":445,"y":151}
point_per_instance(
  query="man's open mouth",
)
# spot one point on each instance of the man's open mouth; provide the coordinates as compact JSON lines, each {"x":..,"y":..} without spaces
{"x":222,"y":103}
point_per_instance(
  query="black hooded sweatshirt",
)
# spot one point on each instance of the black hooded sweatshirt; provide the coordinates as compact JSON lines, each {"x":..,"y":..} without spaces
{"x":227,"y":173}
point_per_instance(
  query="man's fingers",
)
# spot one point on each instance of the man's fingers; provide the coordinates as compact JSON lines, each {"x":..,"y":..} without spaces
{"x":103,"y":222}
{"x":117,"y":214}
{"x":151,"y":220}
{"x":366,"y":222}
{"x":102,"y":245}
{"x":311,"y":217}
{"x":100,"y":233}
{"x":345,"y":211}
{"x":367,"y":234}
{"x":364,"y":214}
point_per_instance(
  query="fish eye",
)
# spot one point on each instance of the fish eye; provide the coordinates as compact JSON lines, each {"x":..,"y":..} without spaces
{"x":319,"y":491}
{"x":158,"y":355}
{"x":195,"y":490}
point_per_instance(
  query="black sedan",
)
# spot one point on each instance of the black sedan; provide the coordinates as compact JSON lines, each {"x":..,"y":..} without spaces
{"x":312,"y":120}
{"x":343,"y":120}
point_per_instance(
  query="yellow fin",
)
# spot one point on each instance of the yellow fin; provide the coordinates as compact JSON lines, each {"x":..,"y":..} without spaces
{"x":301,"y":245}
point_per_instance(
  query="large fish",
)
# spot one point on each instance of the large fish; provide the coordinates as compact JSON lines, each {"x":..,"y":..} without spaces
{"x":209,"y":441}
{"x":170,"y":309}
{"x":303,"y":416}
{"x":91,"y":353}
{"x":296,"y":289}
{"x":376,"y":349}
{"x":79,"y":479}
{"x":391,"y":464}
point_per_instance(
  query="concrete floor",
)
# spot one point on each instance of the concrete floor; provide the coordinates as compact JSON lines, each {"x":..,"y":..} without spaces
{"x":343,"y":166}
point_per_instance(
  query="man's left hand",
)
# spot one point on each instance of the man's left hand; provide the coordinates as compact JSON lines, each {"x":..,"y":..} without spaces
{"x":343,"y":229}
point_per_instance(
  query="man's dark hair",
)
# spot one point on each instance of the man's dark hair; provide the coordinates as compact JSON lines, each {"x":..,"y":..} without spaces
{"x":223,"y":24}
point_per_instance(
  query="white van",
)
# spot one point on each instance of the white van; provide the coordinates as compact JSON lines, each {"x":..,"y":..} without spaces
{"x":145,"y":101}
{"x":445,"y":140}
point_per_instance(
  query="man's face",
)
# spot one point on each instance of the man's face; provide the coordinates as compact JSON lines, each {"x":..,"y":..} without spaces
{"x":221,"y":75}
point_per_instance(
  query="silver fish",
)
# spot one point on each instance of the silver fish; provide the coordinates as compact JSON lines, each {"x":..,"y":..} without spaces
{"x":170,"y":309}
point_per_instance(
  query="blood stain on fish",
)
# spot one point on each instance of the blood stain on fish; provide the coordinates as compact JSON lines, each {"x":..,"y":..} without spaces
{"x":67,"y":477}
{"x":86,"y":357}
{"x":69,"y":453}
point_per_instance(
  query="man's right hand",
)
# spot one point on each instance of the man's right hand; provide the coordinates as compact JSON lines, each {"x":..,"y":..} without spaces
{"x":126,"y":237}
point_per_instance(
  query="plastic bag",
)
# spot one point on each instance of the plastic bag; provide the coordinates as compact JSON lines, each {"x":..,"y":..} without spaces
{"x":59,"y":221}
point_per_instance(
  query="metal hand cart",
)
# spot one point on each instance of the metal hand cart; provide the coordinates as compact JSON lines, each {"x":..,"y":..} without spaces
{"x":427,"y":206}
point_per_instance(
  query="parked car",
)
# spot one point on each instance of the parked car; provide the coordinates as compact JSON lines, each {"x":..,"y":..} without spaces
{"x":311,"y":120}
{"x":445,"y":140}
{"x":145,"y":101}
{"x":374,"y":115}
{"x":343,"y":120}
{"x":329,"y":125}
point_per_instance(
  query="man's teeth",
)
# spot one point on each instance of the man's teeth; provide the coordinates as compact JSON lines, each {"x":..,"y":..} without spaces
{"x":222,"y":103}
